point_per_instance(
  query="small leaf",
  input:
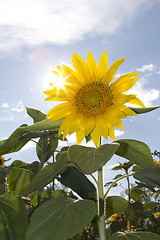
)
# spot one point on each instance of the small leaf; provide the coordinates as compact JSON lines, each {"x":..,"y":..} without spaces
{"x":150,"y":205}
{"x":35,"y":114}
{"x":136,"y":193}
{"x":149,"y":175}
{"x":143,"y":110}
{"x":60,"y":219}
{"x":115,"y":204}
{"x":43,"y":125}
{"x":135,"y":236}
{"x":13,"y":217}
{"x":135,"y":151}
{"x":89,"y":160}
{"x":134,"y":211}
{"x":45,"y":176}
{"x":78,"y":182}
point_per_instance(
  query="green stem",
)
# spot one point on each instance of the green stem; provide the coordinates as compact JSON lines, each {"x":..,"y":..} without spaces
{"x":101,"y":208}
{"x":129,"y":195}
{"x":118,"y":179}
{"x":94,"y":179}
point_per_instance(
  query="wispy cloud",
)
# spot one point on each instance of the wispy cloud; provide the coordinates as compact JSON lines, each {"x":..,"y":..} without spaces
{"x":9,"y":112}
{"x":30,"y":23}
{"x":18,"y":107}
{"x":147,"y":96}
{"x":146,"y":68}
{"x":5,"y":105}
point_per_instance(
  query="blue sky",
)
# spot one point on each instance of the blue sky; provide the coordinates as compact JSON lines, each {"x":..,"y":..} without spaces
{"x":36,"y":36}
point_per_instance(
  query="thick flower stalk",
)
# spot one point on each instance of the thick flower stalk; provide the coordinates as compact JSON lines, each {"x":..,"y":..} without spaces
{"x":93,"y":105}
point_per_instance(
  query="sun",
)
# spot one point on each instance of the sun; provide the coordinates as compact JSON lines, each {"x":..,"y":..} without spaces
{"x":56,"y":81}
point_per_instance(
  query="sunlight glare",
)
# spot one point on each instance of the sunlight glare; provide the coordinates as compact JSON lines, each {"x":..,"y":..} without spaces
{"x":58,"y":82}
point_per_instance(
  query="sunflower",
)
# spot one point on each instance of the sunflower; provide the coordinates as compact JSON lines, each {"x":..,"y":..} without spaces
{"x":93,"y":105}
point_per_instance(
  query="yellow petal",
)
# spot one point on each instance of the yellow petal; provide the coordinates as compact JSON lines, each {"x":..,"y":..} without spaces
{"x":127,"y":111}
{"x":111,"y":132}
{"x":60,"y":111}
{"x":80,"y":66}
{"x":123,"y":84}
{"x":112,"y":70}
{"x":117,"y":123}
{"x":91,"y":65}
{"x":120,"y":99}
{"x":75,"y":124}
{"x":57,"y":95}
{"x":88,"y":125}
{"x":136,"y":101}
{"x":102,"y":65}
{"x":102,"y":126}
{"x":80,"y":135}
{"x":95,"y":135}
{"x":65,"y":126}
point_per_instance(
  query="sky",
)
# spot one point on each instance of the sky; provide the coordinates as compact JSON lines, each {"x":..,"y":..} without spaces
{"x":36,"y":36}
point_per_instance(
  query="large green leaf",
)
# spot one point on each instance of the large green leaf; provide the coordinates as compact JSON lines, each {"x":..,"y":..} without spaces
{"x":144,"y":110}
{"x":43,"y":125}
{"x":13,"y":217}
{"x":135,"y":236}
{"x":13,"y":143}
{"x":21,"y":175}
{"x":35,"y":114}
{"x":149,"y":175}
{"x":89,"y":159}
{"x":60,"y":219}
{"x":78,"y":182}
{"x":45,"y":176}
{"x":135,"y":151}
{"x":115,"y":204}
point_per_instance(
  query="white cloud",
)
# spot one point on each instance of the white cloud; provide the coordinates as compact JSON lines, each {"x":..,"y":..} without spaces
{"x":29,"y":23}
{"x":118,"y":133}
{"x":147,"y":96}
{"x":144,"y":68}
{"x":5,"y":105}
{"x":19,"y":107}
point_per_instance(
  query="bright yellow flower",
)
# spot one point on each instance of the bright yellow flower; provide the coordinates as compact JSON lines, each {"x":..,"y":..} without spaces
{"x":2,"y":161}
{"x":93,"y":104}
{"x":114,"y":218}
{"x":157,"y":214}
{"x":156,"y":163}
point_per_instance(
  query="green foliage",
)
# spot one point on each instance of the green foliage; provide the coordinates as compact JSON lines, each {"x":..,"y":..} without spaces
{"x":21,"y":175}
{"x":48,"y":193}
{"x":46,"y":146}
{"x":45,"y":176}
{"x":136,"y":193}
{"x":88,"y":160}
{"x":35,"y":114}
{"x":60,"y":219}
{"x":149,"y":175}
{"x":135,"y":236}
{"x":78,"y":182}
{"x":143,"y":110}
{"x":13,"y":143}
{"x":115,"y":204}
{"x":13,"y":217}
{"x":134,"y":211}
{"x":43,"y":125}
{"x":135,"y":151}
